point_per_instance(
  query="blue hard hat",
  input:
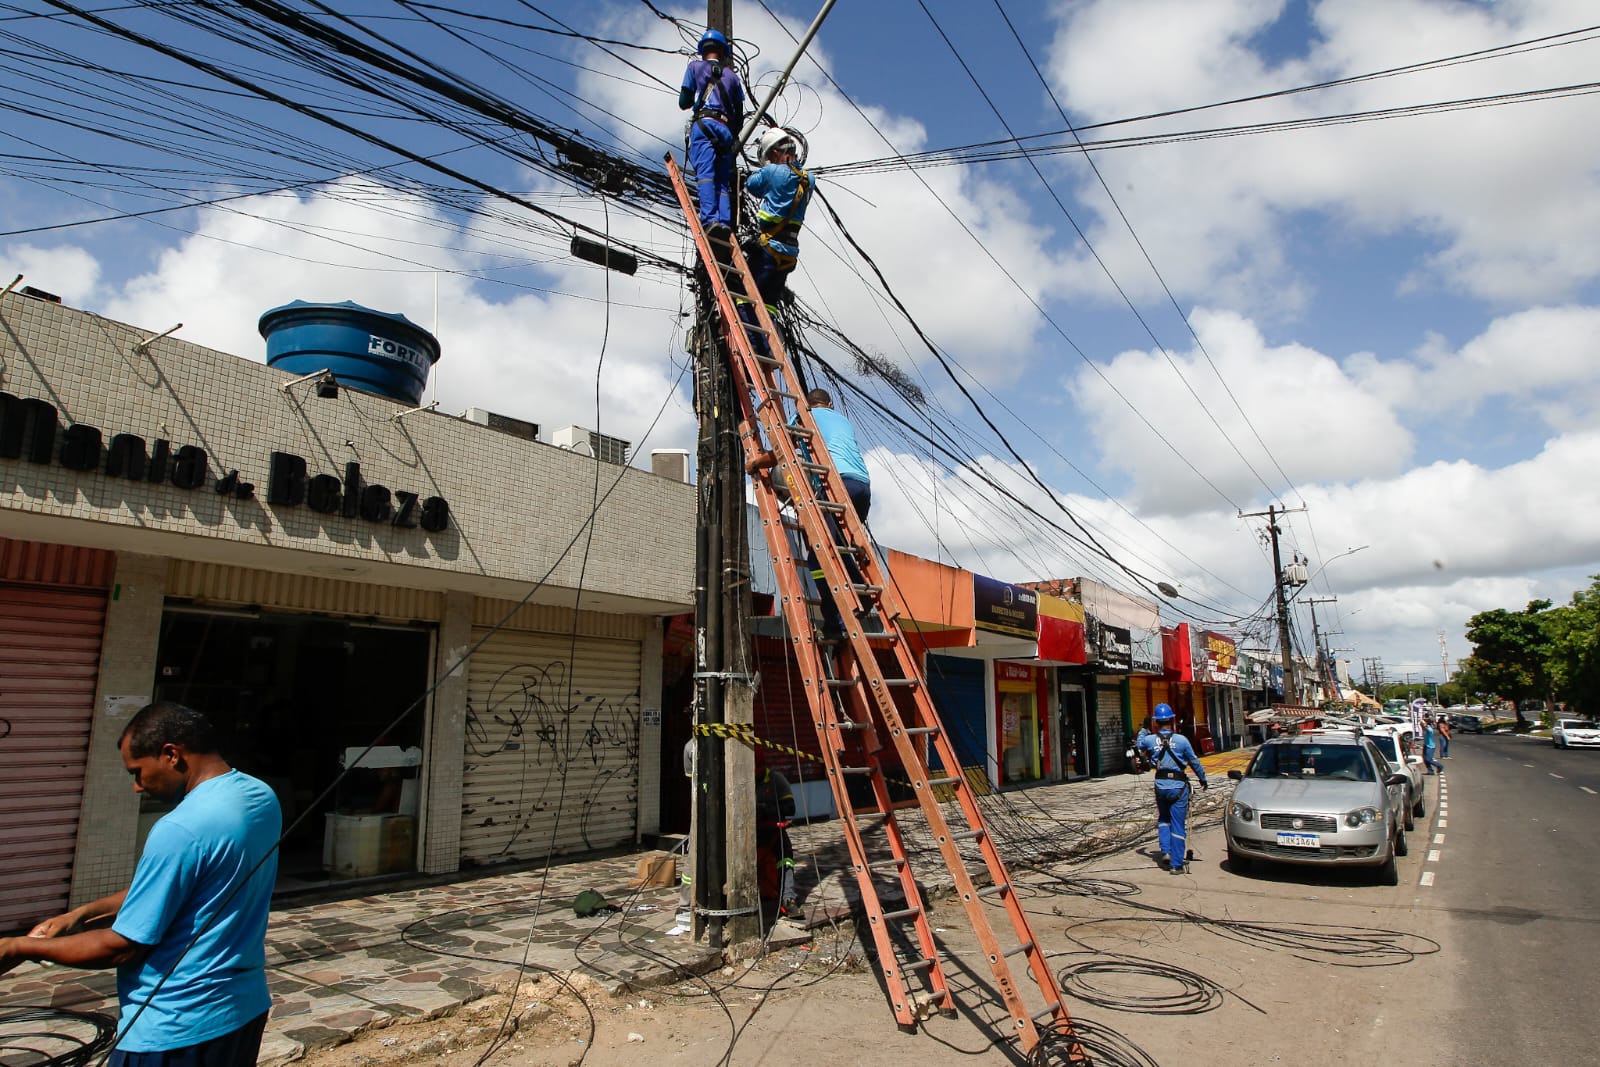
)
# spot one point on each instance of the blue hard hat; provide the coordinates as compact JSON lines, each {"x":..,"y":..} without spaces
{"x":1163,"y":713}
{"x":715,"y":37}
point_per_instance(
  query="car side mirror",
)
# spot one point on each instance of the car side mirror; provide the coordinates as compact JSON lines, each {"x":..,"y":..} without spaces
{"x":1398,"y":779}
{"x":1414,"y":759}
{"x":1237,"y":776}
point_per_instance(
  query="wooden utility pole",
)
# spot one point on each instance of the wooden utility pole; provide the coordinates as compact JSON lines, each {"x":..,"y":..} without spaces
{"x":1324,"y":666}
{"x":1290,"y":690}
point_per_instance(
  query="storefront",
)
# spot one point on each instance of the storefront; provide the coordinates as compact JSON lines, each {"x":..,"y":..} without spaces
{"x":342,"y":581}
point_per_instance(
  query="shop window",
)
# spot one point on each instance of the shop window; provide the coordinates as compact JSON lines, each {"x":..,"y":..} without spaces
{"x":294,"y":699}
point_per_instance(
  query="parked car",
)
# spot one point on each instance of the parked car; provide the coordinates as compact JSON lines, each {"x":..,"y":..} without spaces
{"x":1398,"y":743}
{"x":1467,"y":724}
{"x":1321,"y":799}
{"x":1570,"y":732}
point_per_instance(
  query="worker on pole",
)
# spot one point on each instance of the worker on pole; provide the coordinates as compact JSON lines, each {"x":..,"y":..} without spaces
{"x":785,"y":190}
{"x":714,"y":96}
{"x":1170,"y":752}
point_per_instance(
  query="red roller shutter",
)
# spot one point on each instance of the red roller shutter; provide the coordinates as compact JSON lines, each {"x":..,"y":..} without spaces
{"x":49,"y":661}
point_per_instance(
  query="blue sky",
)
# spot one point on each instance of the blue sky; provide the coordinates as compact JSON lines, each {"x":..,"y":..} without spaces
{"x":1392,"y":321}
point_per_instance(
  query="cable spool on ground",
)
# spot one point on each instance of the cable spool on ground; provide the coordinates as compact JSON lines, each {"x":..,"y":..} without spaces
{"x":1188,"y":993}
{"x":53,"y":1037}
{"x":1105,"y":1048}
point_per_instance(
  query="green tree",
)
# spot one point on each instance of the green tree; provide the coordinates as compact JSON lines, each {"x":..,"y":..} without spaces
{"x":1512,"y":652}
{"x":1574,"y":632}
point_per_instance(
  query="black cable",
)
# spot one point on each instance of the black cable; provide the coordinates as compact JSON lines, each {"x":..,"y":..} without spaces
{"x":54,"y":1037}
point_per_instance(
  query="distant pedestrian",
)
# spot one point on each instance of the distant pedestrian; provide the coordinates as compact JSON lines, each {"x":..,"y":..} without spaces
{"x":1430,"y":746}
{"x":1171,"y":752}
{"x":1444,"y":737}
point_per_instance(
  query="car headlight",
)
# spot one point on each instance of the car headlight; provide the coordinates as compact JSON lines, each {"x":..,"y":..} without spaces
{"x":1363,"y":816}
{"x":1242,"y":812}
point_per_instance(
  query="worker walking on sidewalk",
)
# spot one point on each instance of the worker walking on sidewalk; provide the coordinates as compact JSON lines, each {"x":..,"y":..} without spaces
{"x":1170,"y":752}
{"x":713,"y":94}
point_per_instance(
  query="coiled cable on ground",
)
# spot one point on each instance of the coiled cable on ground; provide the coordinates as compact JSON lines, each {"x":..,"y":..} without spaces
{"x":1104,"y":1047}
{"x":1142,"y":986}
{"x":53,"y":1037}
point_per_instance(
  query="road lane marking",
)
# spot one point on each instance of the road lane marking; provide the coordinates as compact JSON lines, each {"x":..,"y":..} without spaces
{"x":1427,"y":878}
{"x":1438,"y":839}
{"x":1433,"y":855}
{"x":1442,"y":824}
{"x":1553,"y":774}
{"x":1586,"y":789}
{"x":1527,"y":765}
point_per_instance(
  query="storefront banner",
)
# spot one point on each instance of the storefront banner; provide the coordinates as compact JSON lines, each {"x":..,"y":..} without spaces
{"x":1146,"y":644}
{"x":1177,"y":657}
{"x":1113,"y":648}
{"x":1222,"y":659}
{"x":1061,"y":631}
{"x":1003,"y":608}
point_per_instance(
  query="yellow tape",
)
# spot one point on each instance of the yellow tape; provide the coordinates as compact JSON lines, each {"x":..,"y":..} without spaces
{"x":743,"y":731}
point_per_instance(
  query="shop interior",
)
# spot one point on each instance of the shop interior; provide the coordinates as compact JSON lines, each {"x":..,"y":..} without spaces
{"x":296,"y":698}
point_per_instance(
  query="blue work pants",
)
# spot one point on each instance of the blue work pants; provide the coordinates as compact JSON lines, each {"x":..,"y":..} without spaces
{"x":1172,"y":818}
{"x":861,"y":498}
{"x":711,"y":156}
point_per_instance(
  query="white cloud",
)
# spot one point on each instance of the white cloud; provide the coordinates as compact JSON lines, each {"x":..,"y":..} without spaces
{"x":64,"y":270}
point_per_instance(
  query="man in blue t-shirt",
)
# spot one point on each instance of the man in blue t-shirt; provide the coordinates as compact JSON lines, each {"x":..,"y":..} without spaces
{"x":188,"y":936}
{"x":840,"y":439}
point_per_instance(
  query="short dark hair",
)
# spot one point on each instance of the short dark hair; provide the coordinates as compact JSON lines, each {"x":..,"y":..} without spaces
{"x":166,"y":722}
{"x":819,"y":396}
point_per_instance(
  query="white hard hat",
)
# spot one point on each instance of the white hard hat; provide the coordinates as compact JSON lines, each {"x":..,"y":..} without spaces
{"x":775,"y":138}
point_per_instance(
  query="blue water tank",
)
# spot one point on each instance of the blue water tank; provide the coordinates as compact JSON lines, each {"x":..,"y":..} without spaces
{"x":369,"y":350}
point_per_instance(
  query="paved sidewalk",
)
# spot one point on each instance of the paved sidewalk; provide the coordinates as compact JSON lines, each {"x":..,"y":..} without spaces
{"x":340,"y":967}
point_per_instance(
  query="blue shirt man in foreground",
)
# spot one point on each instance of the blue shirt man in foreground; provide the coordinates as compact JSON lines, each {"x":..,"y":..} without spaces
{"x":1170,"y":752}
{"x":840,"y":439}
{"x":188,"y":936}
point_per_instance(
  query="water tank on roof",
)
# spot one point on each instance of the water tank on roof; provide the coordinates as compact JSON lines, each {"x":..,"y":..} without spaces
{"x":374,"y":351}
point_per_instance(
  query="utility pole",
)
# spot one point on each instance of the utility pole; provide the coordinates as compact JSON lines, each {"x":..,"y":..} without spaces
{"x":727,"y":907}
{"x":1316,"y":639}
{"x":1290,"y":690}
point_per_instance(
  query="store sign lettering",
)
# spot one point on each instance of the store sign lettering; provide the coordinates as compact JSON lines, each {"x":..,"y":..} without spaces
{"x":31,"y":429}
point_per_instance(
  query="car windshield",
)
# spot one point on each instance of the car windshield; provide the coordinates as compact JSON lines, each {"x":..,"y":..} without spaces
{"x":1577,"y":724}
{"x":1343,"y":762}
{"x":1386,"y":745}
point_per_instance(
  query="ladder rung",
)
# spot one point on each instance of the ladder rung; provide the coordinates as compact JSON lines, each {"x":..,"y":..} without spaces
{"x":793,"y":524}
{"x":914,"y":731}
{"x":919,"y":965}
{"x":1051,"y":1010}
{"x":828,"y":505}
{"x":994,"y":890}
{"x":798,"y":431}
{"x":946,"y":781}
{"x":868,"y":590}
{"x":768,"y":361}
{"x":848,"y":725}
{"x":841,"y":683}
{"x":903,"y":913}
{"x":897,"y":862}
{"x":855,"y":770}
{"x":859,"y":815}
{"x":1026,"y":946}
{"x":902,"y":682}
{"x":968,"y":835}
{"x":814,"y":468}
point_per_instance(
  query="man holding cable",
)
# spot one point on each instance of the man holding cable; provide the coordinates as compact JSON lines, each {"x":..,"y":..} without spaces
{"x":188,"y":937}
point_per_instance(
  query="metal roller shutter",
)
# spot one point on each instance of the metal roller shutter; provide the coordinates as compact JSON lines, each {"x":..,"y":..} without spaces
{"x":552,"y":746}
{"x":1113,"y":742}
{"x":50,"y":660}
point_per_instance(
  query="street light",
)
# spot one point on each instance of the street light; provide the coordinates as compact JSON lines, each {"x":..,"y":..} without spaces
{"x":1330,"y":559}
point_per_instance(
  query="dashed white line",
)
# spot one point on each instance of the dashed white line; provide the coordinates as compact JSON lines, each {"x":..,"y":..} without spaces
{"x":1427,"y":878}
{"x":1553,"y":774}
{"x":1586,"y":789}
{"x":1442,"y":824}
{"x":1527,"y":765}
{"x":1433,"y":855}
{"x":1438,"y":839}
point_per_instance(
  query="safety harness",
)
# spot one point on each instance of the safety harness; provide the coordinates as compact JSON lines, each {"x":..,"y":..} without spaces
{"x":1170,"y":773}
{"x":786,"y":229}
{"x":716,"y":114}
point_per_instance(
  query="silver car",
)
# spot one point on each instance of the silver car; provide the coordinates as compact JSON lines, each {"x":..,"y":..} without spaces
{"x":1320,"y":799}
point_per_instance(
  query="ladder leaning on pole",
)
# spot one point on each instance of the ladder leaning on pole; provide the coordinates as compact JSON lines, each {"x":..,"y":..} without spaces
{"x":855,"y":698}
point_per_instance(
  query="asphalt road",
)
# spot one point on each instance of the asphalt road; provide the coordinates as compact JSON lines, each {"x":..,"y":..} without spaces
{"x":1516,"y":873}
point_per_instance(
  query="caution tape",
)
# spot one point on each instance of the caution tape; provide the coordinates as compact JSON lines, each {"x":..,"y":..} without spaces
{"x":745,"y":732}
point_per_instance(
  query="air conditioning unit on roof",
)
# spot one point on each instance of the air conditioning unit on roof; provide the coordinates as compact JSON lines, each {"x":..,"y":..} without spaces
{"x":577,"y":439}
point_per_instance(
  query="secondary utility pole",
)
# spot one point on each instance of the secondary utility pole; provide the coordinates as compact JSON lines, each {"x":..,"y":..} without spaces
{"x":1290,"y":690}
{"x":1323,"y":666}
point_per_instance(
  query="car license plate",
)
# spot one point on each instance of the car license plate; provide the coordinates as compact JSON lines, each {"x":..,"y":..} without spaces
{"x":1299,"y":840}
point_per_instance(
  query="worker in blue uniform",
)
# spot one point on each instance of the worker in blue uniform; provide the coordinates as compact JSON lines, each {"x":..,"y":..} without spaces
{"x":1170,"y":752}
{"x":785,"y":190}
{"x":714,"y":95}
{"x":840,"y":439}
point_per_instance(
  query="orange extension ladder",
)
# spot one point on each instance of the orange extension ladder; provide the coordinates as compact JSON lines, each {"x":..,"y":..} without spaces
{"x":855,"y":699}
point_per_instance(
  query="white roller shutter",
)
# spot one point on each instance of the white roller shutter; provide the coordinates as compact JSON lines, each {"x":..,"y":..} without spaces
{"x":552,"y":746}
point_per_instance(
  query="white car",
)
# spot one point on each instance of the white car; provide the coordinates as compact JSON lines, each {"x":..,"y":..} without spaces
{"x":1398,"y":744}
{"x":1570,"y":732}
